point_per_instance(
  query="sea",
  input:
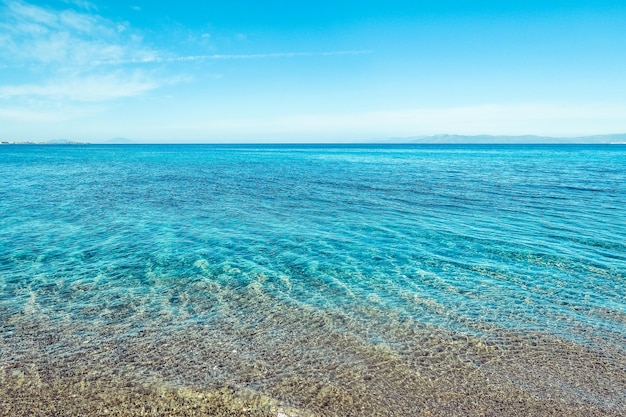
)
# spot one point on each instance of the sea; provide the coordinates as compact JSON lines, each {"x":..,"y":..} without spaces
{"x":313,"y":280}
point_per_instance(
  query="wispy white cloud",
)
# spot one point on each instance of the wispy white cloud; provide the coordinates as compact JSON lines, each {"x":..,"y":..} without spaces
{"x":266,"y":55}
{"x":495,"y":119}
{"x":225,"y":57}
{"x":69,"y":62}
{"x":34,"y":35}
{"x":87,"y":5}
{"x":29,"y":115}
{"x":499,"y":119}
{"x":66,"y":38}
{"x":552,"y":119}
{"x":76,"y":48}
{"x":59,"y":51}
{"x":89,"y":88}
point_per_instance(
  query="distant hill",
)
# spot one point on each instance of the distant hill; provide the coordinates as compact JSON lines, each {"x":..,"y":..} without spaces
{"x":59,"y":141}
{"x":487,"y":139}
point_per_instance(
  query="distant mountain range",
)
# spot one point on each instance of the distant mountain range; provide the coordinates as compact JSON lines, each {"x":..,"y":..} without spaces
{"x":487,"y":139}
{"x":471,"y":139}
{"x":619,"y":138}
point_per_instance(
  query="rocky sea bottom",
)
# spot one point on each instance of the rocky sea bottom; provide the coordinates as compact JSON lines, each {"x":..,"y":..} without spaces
{"x":256,"y":355}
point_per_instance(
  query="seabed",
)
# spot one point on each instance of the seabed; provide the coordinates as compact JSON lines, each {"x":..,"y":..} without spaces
{"x":292,"y":361}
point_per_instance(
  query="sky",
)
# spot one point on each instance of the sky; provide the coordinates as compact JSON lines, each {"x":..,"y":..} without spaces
{"x":309,"y":71}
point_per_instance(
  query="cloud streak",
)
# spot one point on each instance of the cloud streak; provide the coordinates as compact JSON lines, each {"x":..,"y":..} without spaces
{"x":91,"y":88}
{"x":495,"y":119}
{"x":266,"y":55}
{"x":74,"y":48}
{"x":226,"y":57}
{"x":82,"y":4}
{"x":35,"y":35}
{"x":498,"y":119}
{"x":58,"y":51}
{"x":31,"y":116}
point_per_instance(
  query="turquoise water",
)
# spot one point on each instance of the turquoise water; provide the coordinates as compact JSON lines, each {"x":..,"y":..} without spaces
{"x":373,"y":242}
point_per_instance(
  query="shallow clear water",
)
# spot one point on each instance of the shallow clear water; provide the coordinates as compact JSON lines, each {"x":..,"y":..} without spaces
{"x":381,"y":244}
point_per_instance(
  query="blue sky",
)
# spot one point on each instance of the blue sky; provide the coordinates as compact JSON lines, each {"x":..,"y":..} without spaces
{"x":295,"y":71}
